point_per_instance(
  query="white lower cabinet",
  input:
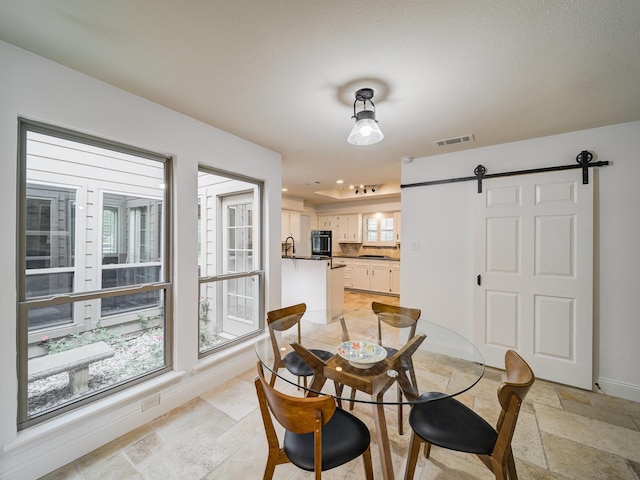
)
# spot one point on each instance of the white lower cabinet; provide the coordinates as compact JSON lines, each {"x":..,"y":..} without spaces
{"x":379,"y":277}
{"x":360,"y":275}
{"x":395,"y":278}
{"x":371,"y":275}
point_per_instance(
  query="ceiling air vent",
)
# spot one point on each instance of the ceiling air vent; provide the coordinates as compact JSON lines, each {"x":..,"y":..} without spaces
{"x":454,"y":141}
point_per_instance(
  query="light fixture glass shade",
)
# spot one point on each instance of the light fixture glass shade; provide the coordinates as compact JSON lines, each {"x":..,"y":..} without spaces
{"x":366,"y":130}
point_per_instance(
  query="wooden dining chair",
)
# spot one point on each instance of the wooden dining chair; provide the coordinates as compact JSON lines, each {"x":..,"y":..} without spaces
{"x":447,"y":423}
{"x":283,"y":319}
{"x":318,"y":435}
{"x":397,"y":317}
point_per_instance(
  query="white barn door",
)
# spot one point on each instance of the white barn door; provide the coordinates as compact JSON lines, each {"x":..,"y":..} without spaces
{"x":534,"y":261}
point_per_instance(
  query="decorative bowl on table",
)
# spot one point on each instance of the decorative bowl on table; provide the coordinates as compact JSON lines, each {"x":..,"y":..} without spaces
{"x":361,"y":354}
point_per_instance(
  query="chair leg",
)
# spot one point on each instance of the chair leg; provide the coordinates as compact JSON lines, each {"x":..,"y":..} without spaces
{"x":412,"y":457}
{"x":368,"y":465}
{"x":400,"y":419}
{"x":269,"y":469}
{"x":511,"y":466}
{"x":499,"y":471}
{"x":427,"y":449}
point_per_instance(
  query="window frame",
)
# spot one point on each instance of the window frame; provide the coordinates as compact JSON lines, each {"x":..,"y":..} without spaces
{"x":257,"y":272}
{"x":378,"y":217}
{"x":26,"y":126}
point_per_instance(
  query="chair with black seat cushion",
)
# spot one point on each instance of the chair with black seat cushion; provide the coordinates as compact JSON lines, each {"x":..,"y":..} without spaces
{"x":397,"y":317}
{"x":283,"y":319}
{"x":318,"y":435}
{"x":445,"y":422}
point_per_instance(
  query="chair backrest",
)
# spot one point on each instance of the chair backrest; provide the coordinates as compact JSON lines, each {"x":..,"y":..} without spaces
{"x":511,"y":394}
{"x":520,"y":377}
{"x":283,"y":319}
{"x":398,"y":317}
{"x":286,"y":317}
{"x":295,"y":414}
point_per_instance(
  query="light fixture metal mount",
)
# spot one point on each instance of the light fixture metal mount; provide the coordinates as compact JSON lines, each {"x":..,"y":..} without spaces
{"x":366,"y":130}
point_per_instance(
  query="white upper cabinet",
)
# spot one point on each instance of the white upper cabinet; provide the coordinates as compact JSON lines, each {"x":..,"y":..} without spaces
{"x":290,"y":225}
{"x":350,"y":228}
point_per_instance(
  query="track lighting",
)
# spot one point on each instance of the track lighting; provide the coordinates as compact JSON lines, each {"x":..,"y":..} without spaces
{"x":372,"y":189}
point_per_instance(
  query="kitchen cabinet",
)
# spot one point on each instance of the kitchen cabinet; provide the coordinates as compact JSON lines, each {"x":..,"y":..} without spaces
{"x":371,"y":275}
{"x":360,"y":275}
{"x":395,"y":278}
{"x":329,"y":222}
{"x":290,"y":225}
{"x":379,"y":277}
{"x":350,"y":228}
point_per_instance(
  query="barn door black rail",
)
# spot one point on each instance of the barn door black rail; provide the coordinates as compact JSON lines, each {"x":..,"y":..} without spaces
{"x":583,"y":161}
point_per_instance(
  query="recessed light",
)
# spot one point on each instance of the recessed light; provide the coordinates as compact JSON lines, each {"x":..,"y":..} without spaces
{"x":339,"y":181}
{"x":284,"y":189}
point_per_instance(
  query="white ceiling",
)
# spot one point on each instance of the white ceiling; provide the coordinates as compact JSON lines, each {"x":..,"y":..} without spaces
{"x":283,"y":73}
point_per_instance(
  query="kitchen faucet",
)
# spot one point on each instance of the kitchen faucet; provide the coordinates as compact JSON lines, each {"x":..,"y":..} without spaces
{"x":292,"y":247}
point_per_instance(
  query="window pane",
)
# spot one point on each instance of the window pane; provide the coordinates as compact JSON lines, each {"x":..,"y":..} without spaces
{"x":50,"y":227}
{"x":121,"y":277}
{"x":113,"y":356}
{"x":49,"y":284}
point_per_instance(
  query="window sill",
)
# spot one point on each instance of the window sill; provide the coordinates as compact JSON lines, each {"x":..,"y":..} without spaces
{"x":47,"y":431}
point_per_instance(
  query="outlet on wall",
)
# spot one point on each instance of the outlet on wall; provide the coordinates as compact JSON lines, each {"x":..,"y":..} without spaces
{"x":150,"y":401}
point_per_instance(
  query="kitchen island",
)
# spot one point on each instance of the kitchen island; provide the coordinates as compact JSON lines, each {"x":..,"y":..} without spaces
{"x":316,"y":282}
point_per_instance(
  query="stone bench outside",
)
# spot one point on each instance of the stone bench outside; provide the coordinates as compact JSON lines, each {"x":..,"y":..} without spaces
{"x":75,"y":361}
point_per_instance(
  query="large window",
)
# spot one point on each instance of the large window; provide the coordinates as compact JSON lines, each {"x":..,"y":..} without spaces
{"x":231,"y":278}
{"x":94,"y":283}
{"x":379,"y":229}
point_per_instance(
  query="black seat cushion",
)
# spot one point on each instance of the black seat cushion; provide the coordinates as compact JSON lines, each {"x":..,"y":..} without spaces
{"x":344,"y":438}
{"x":297,"y":366}
{"x":450,"y":424}
{"x":404,"y":362}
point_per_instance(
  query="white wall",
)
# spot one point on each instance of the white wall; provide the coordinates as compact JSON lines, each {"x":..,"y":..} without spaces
{"x":40,"y":90}
{"x":437,"y":239}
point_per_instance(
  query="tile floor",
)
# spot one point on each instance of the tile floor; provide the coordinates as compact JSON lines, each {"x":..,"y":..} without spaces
{"x":562,"y":433}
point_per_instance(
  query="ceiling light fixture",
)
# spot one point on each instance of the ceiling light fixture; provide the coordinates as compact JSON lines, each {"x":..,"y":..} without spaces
{"x":364,"y":189}
{"x":366,"y":130}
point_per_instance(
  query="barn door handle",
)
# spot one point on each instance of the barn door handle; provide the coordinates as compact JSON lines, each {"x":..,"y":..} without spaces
{"x":479,"y":280}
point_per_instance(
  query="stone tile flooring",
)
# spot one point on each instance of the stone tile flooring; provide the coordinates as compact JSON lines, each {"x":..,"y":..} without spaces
{"x":562,"y":433}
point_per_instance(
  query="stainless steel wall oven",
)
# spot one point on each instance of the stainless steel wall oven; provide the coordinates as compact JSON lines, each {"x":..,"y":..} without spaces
{"x":321,"y":242}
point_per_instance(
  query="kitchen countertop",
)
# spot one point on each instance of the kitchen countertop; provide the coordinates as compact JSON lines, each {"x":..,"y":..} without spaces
{"x":369,"y":257}
{"x":313,"y":258}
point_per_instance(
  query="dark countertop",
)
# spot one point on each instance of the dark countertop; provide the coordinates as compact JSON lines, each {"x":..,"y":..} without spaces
{"x":314,"y":258}
{"x":369,"y":257}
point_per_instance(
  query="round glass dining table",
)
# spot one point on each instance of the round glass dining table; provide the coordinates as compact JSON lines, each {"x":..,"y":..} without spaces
{"x":436,"y":359}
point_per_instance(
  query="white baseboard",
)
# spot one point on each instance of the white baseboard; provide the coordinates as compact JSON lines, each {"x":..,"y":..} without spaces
{"x":617,"y":389}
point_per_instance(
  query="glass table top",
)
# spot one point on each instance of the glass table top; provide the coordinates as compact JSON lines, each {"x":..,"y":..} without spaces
{"x":443,"y":361}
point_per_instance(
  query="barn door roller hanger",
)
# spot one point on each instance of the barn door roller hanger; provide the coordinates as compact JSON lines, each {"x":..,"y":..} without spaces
{"x":583,"y":161}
